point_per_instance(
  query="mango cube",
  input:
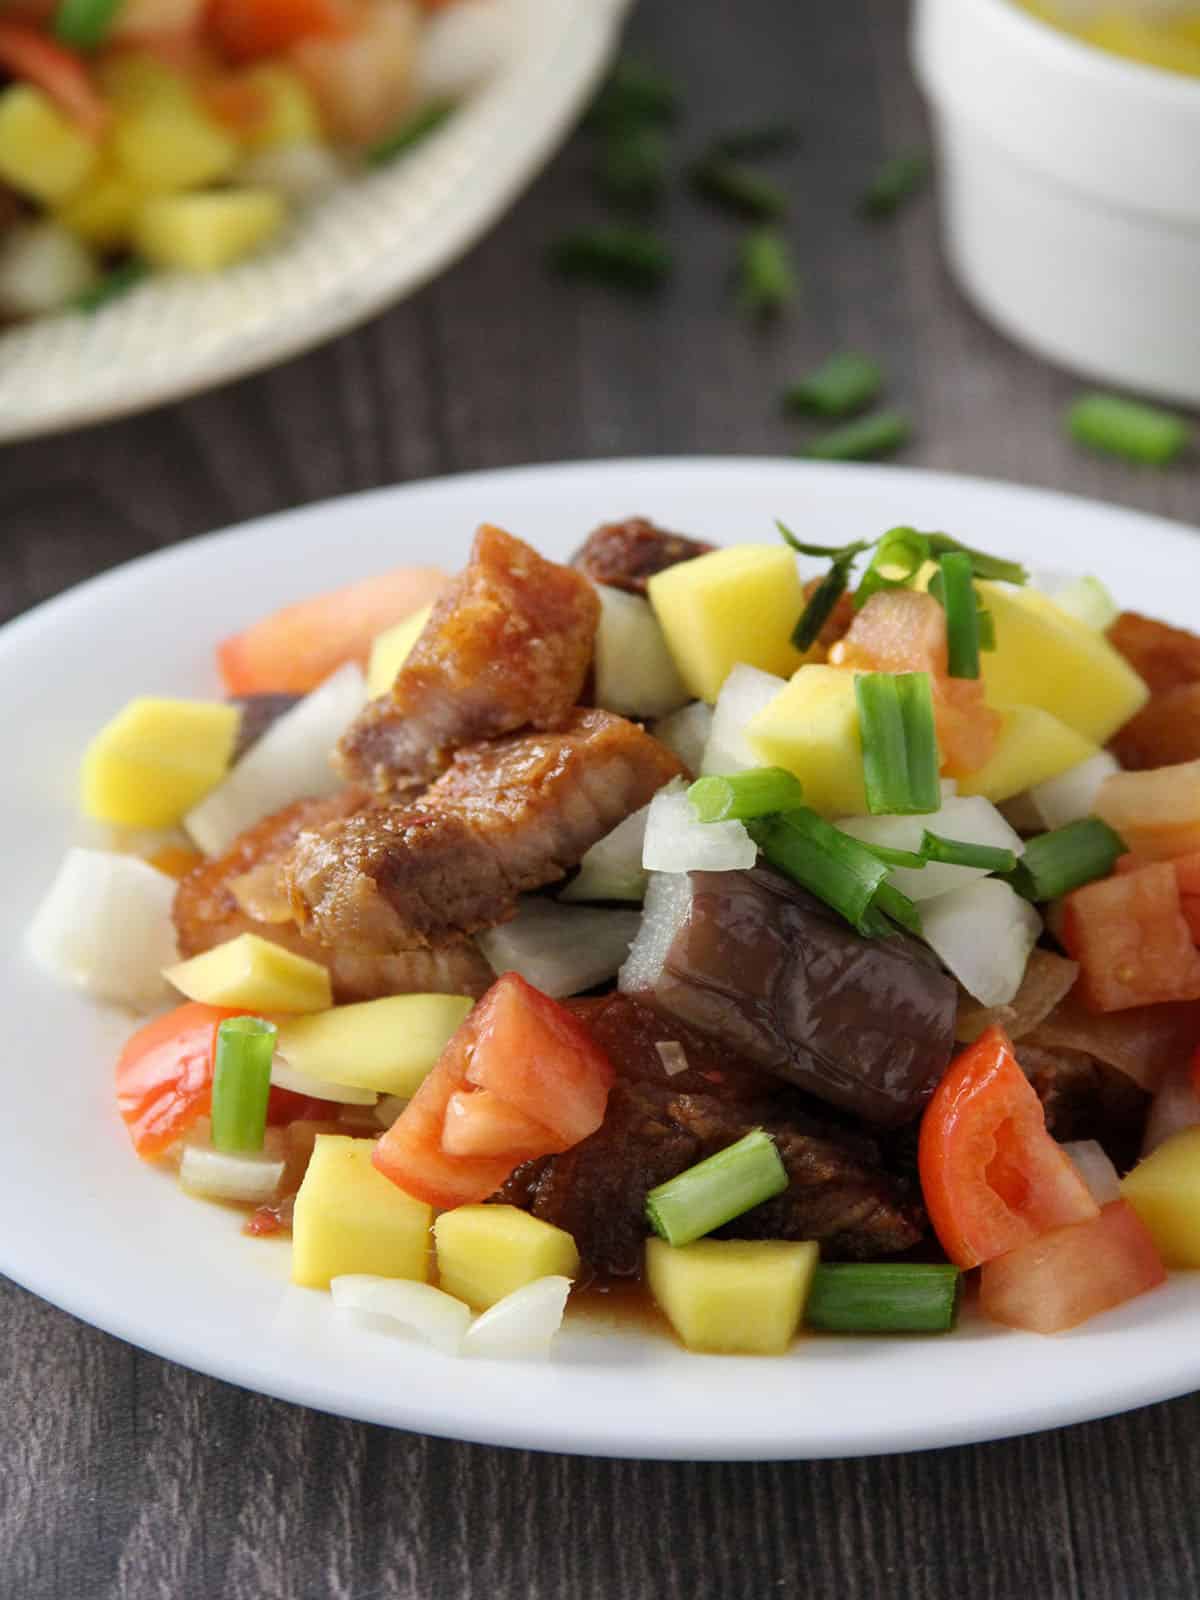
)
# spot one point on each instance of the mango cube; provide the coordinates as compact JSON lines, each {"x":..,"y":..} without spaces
{"x":1032,"y":747}
{"x":43,"y":154}
{"x":254,"y":974}
{"x":390,"y":651}
{"x":289,"y":112}
{"x":485,"y":1252}
{"x":1046,"y":658}
{"x":133,"y":79}
{"x":156,"y":759}
{"x":1164,"y":1190}
{"x":350,"y":1218}
{"x":811,"y":729}
{"x":167,"y":144}
{"x":733,"y":1296}
{"x":738,"y":604}
{"x":205,"y":232}
{"x":387,"y":1045}
{"x":102,"y":211}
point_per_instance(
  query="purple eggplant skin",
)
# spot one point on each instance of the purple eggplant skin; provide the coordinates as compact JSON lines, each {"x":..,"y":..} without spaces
{"x":259,"y":712}
{"x":777,"y":976}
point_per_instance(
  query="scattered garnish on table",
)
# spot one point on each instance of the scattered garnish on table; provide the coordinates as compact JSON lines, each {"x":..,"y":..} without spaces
{"x":624,"y":256}
{"x":738,"y":189}
{"x":1139,"y":432}
{"x":862,"y":440}
{"x":844,"y":383}
{"x":899,"y":180}
{"x":766,"y":276}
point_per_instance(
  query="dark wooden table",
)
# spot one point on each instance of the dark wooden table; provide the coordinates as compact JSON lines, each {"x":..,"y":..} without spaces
{"x":124,"y":1476}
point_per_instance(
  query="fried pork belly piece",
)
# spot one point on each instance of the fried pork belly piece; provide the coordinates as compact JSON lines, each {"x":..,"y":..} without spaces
{"x":508,"y":646}
{"x":211,"y":906}
{"x":1166,"y":731}
{"x":1164,"y":656}
{"x":507,"y":817}
{"x":626,"y":555}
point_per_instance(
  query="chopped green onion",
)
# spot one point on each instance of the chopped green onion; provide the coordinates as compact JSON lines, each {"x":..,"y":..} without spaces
{"x":242,"y":1082}
{"x":899,"y":743}
{"x":985,"y":625}
{"x":633,"y":168}
{"x":982,"y":565}
{"x":716,"y":1190}
{"x":635,"y":93}
{"x":899,"y":556}
{"x":84,"y":23}
{"x":894,"y":857}
{"x":836,"y":552}
{"x":625,"y":257}
{"x":1145,"y":434}
{"x":738,"y":189}
{"x":766,"y":276}
{"x":883,"y":1297}
{"x":830,"y":864}
{"x":755,"y":143}
{"x":876,"y":435}
{"x":820,"y":605}
{"x":1055,"y":863}
{"x":745,"y":795}
{"x":895,"y":182}
{"x":962,"y":614}
{"x":119,"y":281}
{"x":839,"y":387}
{"x":957,"y":853}
{"x":411,"y":132}
{"x":898,"y":907}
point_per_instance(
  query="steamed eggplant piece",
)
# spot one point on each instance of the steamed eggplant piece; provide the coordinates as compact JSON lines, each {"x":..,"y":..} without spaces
{"x":759,"y":964}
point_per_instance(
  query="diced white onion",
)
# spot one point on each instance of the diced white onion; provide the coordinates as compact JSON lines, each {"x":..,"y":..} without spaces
{"x":105,"y":926}
{"x":1176,"y":1106}
{"x":612,"y":869}
{"x":1088,"y":601}
{"x":673,"y":1056}
{"x":686,"y":732}
{"x":636,"y":675}
{"x":285,"y":1076}
{"x":561,"y":950}
{"x":290,"y":762}
{"x":302,"y":170}
{"x":1096,"y":1170}
{"x":667,"y":907}
{"x":460,"y":47}
{"x":1072,"y":795}
{"x":983,"y":933}
{"x":743,"y":695}
{"x":43,"y":268}
{"x":677,"y":842}
{"x":249,"y":1176}
{"x":968,"y":818}
{"x":390,"y":1303}
{"x":523,"y":1323}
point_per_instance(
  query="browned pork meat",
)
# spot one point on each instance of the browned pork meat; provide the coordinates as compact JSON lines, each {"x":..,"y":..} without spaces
{"x":508,"y":646}
{"x":1084,"y":1099}
{"x":1164,"y":656}
{"x":625,"y":555}
{"x":208,"y":911}
{"x":507,"y":817}
{"x":1166,"y":731}
{"x":839,"y":1192}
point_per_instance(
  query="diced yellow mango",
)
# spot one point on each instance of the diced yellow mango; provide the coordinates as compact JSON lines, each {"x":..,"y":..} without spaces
{"x":350,"y":1218}
{"x":1032,"y":746}
{"x":157,"y":758}
{"x":390,"y":651}
{"x":1043,"y":657}
{"x":734,"y":605}
{"x":387,"y":1045}
{"x":205,"y":232}
{"x":290,"y":113}
{"x":1164,"y":1190}
{"x":252,"y":972}
{"x":131,"y":80}
{"x":102,"y":211}
{"x":732,"y":1296}
{"x":43,"y":154}
{"x":486,"y":1252}
{"x":811,"y":729}
{"x":167,"y":145}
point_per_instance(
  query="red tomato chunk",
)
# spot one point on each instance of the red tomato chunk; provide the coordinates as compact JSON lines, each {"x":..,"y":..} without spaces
{"x":1132,"y":940}
{"x":992,"y":1177}
{"x":1070,"y":1274}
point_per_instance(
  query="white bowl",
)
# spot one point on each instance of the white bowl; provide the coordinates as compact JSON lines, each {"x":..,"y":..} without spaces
{"x":1070,"y":192}
{"x":375,"y":239}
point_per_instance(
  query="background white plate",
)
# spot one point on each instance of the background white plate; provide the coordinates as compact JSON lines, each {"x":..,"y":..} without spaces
{"x":90,"y":1228}
{"x":374,"y":240}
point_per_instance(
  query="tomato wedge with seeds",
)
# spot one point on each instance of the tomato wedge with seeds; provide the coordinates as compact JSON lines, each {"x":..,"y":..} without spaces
{"x":545,"y":1080}
{"x":992,"y":1177}
{"x":165,"y":1073}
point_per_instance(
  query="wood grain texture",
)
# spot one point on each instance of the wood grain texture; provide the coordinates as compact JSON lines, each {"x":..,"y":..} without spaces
{"x":123,"y":1477}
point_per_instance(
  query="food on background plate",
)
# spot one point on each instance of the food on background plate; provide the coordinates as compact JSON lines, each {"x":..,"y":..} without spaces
{"x":797,"y":946}
{"x":1159,"y":36}
{"x":184,"y":135}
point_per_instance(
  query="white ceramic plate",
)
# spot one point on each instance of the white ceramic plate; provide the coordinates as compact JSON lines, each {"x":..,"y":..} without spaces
{"x":90,"y":1228}
{"x":371,"y":242}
